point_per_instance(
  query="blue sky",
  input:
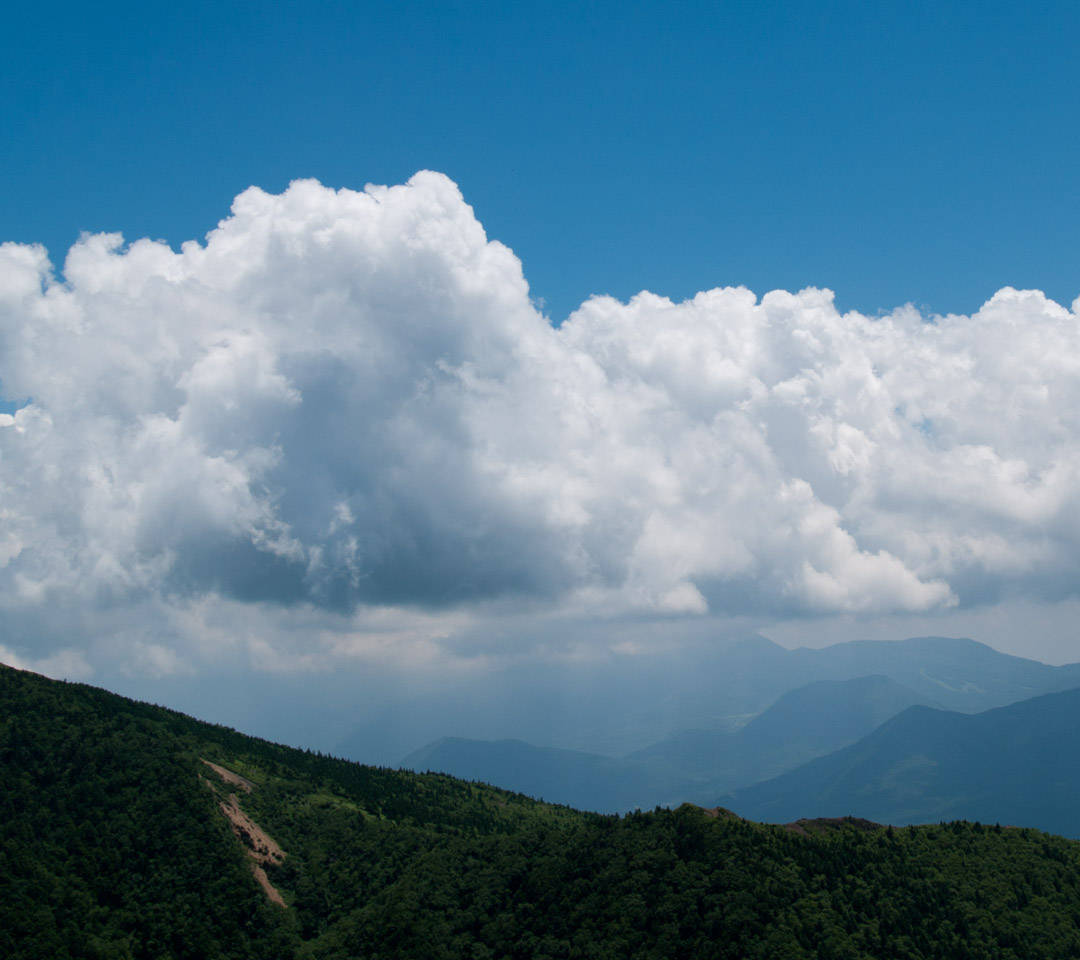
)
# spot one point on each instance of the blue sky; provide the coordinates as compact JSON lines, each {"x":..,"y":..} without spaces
{"x":343,"y":432}
{"x":917,"y":152}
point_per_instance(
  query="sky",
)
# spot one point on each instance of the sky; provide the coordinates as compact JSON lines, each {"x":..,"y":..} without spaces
{"x":410,"y":340}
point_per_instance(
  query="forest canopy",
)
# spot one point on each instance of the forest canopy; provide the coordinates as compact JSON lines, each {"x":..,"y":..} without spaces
{"x":114,"y":844}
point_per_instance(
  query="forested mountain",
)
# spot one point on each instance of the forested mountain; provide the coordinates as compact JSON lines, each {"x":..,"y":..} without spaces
{"x":1017,"y":764}
{"x":130,"y":831}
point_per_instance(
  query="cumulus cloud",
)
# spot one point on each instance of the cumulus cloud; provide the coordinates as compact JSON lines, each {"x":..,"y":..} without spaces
{"x":346,"y":401}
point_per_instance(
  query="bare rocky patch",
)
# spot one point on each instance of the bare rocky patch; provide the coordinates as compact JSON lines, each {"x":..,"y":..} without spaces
{"x":261,"y":847}
{"x":231,"y":777}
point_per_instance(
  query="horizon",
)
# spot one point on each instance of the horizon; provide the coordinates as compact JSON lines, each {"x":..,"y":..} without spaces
{"x":391,"y":732}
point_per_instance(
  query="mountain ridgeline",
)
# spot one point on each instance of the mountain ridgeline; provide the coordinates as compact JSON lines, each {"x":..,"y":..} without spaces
{"x":131,"y":831}
{"x":696,"y":765}
{"x":769,"y":764}
{"x":625,"y":704}
{"x":1014,"y":764}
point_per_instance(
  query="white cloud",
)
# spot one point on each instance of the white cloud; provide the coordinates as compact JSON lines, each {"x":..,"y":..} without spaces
{"x":345,"y":401}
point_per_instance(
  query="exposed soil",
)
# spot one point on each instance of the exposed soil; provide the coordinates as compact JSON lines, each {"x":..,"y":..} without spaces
{"x":229,"y":777}
{"x":260,"y":845}
{"x":271,"y":891}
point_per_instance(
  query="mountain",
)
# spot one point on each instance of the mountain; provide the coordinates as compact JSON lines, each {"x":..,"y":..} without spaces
{"x":693,"y":765}
{"x":959,"y":673}
{"x":803,"y":723}
{"x":628,"y":703}
{"x":824,"y":715}
{"x":732,"y":751}
{"x":130,"y":831}
{"x":1016,"y":764}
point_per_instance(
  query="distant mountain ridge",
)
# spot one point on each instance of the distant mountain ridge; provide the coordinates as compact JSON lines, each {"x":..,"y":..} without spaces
{"x":830,"y":705}
{"x":1017,"y":764}
{"x":694,"y":765}
{"x":959,"y":673}
{"x":629,"y":703}
{"x":803,"y":723}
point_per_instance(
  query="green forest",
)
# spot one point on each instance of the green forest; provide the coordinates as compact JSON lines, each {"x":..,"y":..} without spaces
{"x":115,"y":843}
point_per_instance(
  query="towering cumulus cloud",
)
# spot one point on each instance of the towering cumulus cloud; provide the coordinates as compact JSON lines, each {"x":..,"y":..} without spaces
{"x":347,"y":402}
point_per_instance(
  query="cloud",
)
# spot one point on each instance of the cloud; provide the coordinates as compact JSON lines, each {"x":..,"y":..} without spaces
{"x":65,"y":664}
{"x":346,"y":402}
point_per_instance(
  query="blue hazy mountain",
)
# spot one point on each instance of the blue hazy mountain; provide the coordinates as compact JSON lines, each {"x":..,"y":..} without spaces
{"x":1017,"y":764}
{"x":960,"y":674}
{"x":628,"y":703}
{"x":693,"y":765}
{"x":802,"y":724}
{"x":751,"y":711}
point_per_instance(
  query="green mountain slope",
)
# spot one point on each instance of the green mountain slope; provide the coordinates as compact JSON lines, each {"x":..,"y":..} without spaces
{"x":1014,"y":764}
{"x":129,"y":831}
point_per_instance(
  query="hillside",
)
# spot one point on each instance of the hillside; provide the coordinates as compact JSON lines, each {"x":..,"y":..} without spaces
{"x":129,"y":831}
{"x":1015,"y":764}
